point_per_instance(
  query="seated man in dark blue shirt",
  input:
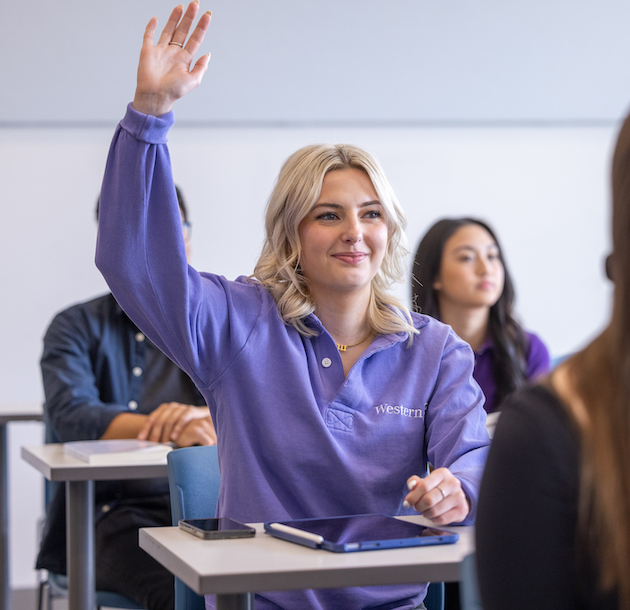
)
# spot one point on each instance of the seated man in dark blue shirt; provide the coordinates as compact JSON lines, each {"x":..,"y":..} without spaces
{"x":104,"y":379}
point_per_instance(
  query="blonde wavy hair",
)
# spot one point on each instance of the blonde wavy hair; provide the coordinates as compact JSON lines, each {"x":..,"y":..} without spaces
{"x":296,"y":191}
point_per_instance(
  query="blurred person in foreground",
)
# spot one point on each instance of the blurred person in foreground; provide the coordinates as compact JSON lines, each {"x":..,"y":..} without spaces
{"x":553,"y":528}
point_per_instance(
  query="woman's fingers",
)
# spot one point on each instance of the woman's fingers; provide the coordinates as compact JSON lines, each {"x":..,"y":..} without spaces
{"x":177,"y":27}
{"x":438,"y":496}
{"x":171,"y":25}
{"x":201,"y":65}
{"x":196,"y":38}
{"x":164,"y":71}
{"x":149,"y":32}
{"x":182,"y":30}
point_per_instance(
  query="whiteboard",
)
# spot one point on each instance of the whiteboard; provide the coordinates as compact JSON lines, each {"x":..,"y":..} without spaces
{"x":332,"y":61}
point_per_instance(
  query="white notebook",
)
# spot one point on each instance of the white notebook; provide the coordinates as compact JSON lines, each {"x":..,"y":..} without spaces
{"x":117,"y":451}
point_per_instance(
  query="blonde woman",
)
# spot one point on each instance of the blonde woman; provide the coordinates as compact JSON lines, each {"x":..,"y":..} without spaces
{"x":327,"y":394}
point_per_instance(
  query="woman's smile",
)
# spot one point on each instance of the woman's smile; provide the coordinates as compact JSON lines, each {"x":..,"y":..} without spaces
{"x":344,"y":236}
{"x":352,"y":258}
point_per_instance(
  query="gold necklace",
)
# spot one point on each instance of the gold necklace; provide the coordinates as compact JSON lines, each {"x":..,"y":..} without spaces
{"x":343,"y":348}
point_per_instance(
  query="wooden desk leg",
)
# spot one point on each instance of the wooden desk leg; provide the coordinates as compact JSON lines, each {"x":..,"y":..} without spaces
{"x":5,"y":585}
{"x":240,"y":601}
{"x":80,"y":543}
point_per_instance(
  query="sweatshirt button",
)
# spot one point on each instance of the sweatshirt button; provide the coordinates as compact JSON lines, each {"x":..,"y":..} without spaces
{"x":326,"y":362}
{"x":133,"y":405}
{"x":137,"y":371}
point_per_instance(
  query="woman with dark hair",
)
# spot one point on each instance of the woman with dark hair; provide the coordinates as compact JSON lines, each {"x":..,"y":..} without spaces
{"x":553,"y":528}
{"x":460,"y":278}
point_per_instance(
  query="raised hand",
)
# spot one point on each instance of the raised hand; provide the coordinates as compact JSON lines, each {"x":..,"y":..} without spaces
{"x":164,"y":73}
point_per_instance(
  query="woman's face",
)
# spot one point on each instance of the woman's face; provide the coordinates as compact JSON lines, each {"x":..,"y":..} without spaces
{"x":344,"y":236}
{"x":471,"y":274}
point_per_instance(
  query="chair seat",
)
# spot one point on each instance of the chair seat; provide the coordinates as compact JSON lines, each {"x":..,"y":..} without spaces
{"x":434,"y":599}
{"x":58,"y":584}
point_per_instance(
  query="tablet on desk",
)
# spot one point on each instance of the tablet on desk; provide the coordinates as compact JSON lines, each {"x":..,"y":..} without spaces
{"x":358,"y":533}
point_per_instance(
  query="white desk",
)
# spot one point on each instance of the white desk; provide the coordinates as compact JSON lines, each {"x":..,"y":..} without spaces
{"x":233,"y":569}
{"x":8,"y":413}
{"x":79,"y":477}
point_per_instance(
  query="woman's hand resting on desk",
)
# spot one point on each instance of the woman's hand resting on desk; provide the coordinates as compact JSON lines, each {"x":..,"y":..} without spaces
{"x":164,"y":73}
{"x":438,"y":496}
{"x":183,"y":424}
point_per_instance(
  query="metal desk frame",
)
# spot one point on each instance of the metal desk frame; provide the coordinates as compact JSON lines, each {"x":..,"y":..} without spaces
{"x":79,"y":477}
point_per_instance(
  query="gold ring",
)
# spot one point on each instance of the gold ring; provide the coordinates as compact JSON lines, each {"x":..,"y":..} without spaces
{"x":441,"y":490}
{"x":179,"y":44}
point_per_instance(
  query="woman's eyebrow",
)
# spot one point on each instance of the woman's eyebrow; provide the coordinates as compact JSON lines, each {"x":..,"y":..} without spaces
{"x":473,"y":248}
{"x":338,"y":206}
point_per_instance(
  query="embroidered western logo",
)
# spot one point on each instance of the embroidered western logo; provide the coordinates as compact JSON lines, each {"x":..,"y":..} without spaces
{"x":387,"y":409}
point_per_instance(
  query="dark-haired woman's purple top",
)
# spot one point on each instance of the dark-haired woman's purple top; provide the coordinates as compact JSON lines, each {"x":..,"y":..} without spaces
{"x":538,"y":363}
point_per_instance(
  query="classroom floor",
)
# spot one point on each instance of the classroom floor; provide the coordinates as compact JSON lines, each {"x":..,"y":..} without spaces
{"x":26,"y":599}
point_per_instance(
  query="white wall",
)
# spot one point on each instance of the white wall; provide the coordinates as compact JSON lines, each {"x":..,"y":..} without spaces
{"x":332,"y":61}
{"x":543,"y":186}
{"x":544,"y":189}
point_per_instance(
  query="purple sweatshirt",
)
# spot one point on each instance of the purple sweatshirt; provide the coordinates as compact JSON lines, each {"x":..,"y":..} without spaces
{"x":296,"y":438}
{"x":538,"y":364}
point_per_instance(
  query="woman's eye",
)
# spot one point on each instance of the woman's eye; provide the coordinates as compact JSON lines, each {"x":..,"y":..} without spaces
{"x":327,"y":216}
{"x":374,"y":214}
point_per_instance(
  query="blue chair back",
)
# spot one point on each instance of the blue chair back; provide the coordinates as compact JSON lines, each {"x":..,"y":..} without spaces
{"x":468,"y":587}
{"x":193,"y":479}
{"x":434,"y":599}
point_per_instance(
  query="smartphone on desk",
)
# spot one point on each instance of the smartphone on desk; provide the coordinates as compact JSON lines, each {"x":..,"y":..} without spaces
{"x":215,"y":529}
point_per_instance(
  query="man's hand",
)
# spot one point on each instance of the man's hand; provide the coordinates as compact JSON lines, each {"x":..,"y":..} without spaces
{"x":169,"y":421}
{"x":198,"y":432}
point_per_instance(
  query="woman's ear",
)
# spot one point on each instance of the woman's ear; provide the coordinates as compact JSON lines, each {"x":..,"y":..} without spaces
{"x":437,"y":285}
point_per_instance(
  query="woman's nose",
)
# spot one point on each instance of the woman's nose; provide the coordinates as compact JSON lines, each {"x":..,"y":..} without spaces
{"x":482,"y":266}
{"x":352,"y":231}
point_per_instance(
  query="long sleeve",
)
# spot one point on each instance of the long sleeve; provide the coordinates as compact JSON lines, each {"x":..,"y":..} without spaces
{"x":73,"y":399}
{"x":456,"y":421}
{"x":140,"y":251}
